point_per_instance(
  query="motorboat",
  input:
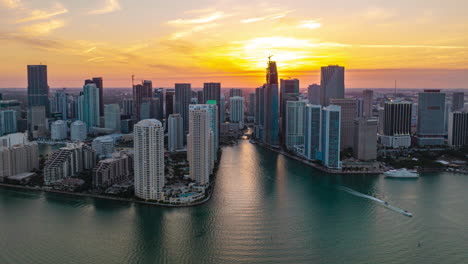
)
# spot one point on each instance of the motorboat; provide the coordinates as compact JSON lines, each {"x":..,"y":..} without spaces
{"x":401,"y":173}
{"x":406,"y":213}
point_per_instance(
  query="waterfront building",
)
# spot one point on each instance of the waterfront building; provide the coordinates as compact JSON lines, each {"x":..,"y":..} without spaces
{"x":149,"y":159}
{"x":313,"y":132}
{"x":331,"y":83}
{"x":313,"y":94}
{"x":235,"y":92}
{"x":169,"y":102}
{"x":295,"y":124}
{"x":37,"y":121}
{"x":365,"y":139}
{"x":61,"y":104}
{"x":38,"y":88}
{"x":89,"y":106}
{"x":78,"y":131}
{"x":211,"y":107}
{"x":99,"y":85}
{"x":127,"y":107}
{"x":59,"y":130}
{"x":8,"y":121}
{"x":113,"y":170}
{"x":142,"y":93}
{"x":175,"y":132}
{"x":13,"y":139}
{"x":236,"y":110}
{"x":458,"y":128}
{"x":396,"y":124}
{"x":199,"y":145}
{"x":348,"y":114}
{"x":458,"y":101}
{"x":68,"y":161}
{"x":289,"y":91}
{"x":18,"y":158}
{"x":112,"y":117}
{"x":431,"y":118}
{"x":331,"y":129}
{"x":183,"y":96}
{"x":104,"y":146}
{"x":270,"y":107}
{"x":368,"y":96}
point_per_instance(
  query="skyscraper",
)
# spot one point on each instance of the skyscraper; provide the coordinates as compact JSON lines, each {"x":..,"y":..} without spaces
{"x":295,"y":119}
{"x":236,"y":110}
{"x":222,"y":110}
{"x":396,"y":124}
{"x":127,"y":107}
{"x":8,"y":122}
{"x":37,"y":121}
{"x":252,"y":105}
{"x":199,"y":145}
{"x":89,"y":106}
{"x":99,"y":84}
{"x":431,"y":117}
{"x":368,"y":96}
{"x":149,"y":159}
{"x":159,"y":106}
{"x":332,"y":83}
{"x":61,"y":103}
{"x":112,"y":117}
{"x":313,"y":132}
{"x":175,"y":132}
{"x":169,"y":102}
{"x":183,"y":96}
{"x":313,"y":94}
{"x":289,"y":91}
{"x":142,"y":93}
{"x":200,"y":98}
{"x":365,"y":139}
{"x":458,"y":129}
{"x":38,"y":88}
{"x":348,"y":114}
{"x":458,"y":101}
{"x":331,"y":127}
{"x":235,"y":92}
{"x":270,"y":106}
{"x":212,"y":91}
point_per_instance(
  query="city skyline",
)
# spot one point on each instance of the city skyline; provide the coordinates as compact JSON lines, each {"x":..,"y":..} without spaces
{"x":377,"y":43}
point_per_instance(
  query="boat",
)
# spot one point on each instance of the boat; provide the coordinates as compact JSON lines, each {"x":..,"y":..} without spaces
{"x":401,"y":173}
{"x":407,"y":213}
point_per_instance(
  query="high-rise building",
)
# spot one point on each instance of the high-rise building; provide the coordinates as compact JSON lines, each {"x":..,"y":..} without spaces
{"x":368,"y":96}
{"x":211,"y":107}
{"x":68,"y":161}
{"x":38,"y":88}
{"x":142,"y":93}
{"x":37,"y":120}
{"x":112,"y":117}
{"x":104,"y":146}
{"x":235,"y":92}
{"x":158,"y":104}
{"x":175,"y":132}
{"x":270,"y":107}
{"x":200,"y":98}
{"x":89,"y":106}
{"x":99,"y":84}
{"x":236,"y":110}
{"x":360,"y":107}
{"x":295,"y":124}
{"x":212,"y":91}
{"x":251,"y":105}
{"x":169,"y":102}
{"x":222,"y":110}
{"x":259,"y":107}
{"x":61,"y":103}
{"x":397,"y":124}
{"x":313,"y":94}
{"x":113,"y":170}
{"x":458,"y":101}
{"x":8,"y":122}
{"x":431,"y":117}
{"x":127,"y":107}
{"x":183,"y":96}
{"x":199,"y":145}
{"x":458,"y":128}
{"x":149,"y":159}
{"x":331,"y":84}
{"x":365,"y":139}
{"x":313,"y":132}
{"x":18,"y":158}
{"x":348,"y":114}
{"x":289,"y":91}
{"x":331,"y":127}
{"x":59,"y":130}
{"x":78,"y":131}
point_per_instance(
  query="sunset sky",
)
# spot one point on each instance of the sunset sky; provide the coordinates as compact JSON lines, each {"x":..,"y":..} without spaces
{"x":420,"y":43}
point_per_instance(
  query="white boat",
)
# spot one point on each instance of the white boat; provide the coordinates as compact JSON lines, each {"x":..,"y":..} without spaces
{"x":401,"y":173}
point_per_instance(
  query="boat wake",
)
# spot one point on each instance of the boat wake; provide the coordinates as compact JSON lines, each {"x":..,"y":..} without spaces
{"x":384,"y":203}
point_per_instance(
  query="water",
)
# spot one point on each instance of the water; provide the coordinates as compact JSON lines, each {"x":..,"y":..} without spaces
{"x":265,"y":209}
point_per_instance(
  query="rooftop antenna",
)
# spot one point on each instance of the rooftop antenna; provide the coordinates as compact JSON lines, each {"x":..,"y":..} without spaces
{"x":269,"y":57}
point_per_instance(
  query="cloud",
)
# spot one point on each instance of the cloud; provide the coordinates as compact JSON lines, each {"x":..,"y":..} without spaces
{"x":269,"y":17}
{"x":310,"y":24}
{"x":43,"y":28}
{"x":110,"y":6}
{"x":12,"y":4}
{"x":89,"y":50}
{"x":198,"y":28}
{"x":41,"y":15}
{"x":200,"y":20}
{"x":413,"y":46}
